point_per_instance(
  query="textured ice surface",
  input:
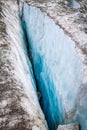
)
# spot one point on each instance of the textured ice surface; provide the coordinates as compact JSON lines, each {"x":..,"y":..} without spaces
{"x":73,"y":126}
{"x":57,"y":68}
{"x":19,"y":106}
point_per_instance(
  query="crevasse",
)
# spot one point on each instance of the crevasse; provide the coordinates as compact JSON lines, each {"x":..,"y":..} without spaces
{"x":57,"y":69}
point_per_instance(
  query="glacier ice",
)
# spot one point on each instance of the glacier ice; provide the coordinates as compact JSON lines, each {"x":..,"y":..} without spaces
{"x":19,"y":106}
{"x":57,"y":69}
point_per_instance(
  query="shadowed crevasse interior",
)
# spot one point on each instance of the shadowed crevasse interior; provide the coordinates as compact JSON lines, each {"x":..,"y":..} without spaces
{"x":56,"y":67}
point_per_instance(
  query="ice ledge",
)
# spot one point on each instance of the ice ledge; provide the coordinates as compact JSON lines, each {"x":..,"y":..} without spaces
{"x":73,"y":126}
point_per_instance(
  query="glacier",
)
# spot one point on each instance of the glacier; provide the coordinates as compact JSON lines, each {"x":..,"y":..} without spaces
{"x":19,"y":106}
{"x":57,"y":69}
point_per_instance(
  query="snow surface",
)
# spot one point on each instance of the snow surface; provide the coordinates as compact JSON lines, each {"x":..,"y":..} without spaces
{"x":57,"y":68}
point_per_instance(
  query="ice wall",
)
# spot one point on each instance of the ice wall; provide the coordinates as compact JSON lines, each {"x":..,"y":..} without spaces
{"x":19,"y":106}
{"x":57,"y":68}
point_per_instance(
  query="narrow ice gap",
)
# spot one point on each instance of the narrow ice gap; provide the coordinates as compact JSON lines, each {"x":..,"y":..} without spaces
{"x":56,"y":68}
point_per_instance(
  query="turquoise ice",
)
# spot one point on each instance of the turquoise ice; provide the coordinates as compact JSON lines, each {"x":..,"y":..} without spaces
{"x":57,"y":69}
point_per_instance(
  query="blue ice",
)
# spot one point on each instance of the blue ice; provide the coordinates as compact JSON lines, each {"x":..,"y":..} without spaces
{"x":57,"y":68}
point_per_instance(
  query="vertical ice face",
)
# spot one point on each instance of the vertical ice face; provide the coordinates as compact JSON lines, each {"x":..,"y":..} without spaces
{"x":57,"y":69}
